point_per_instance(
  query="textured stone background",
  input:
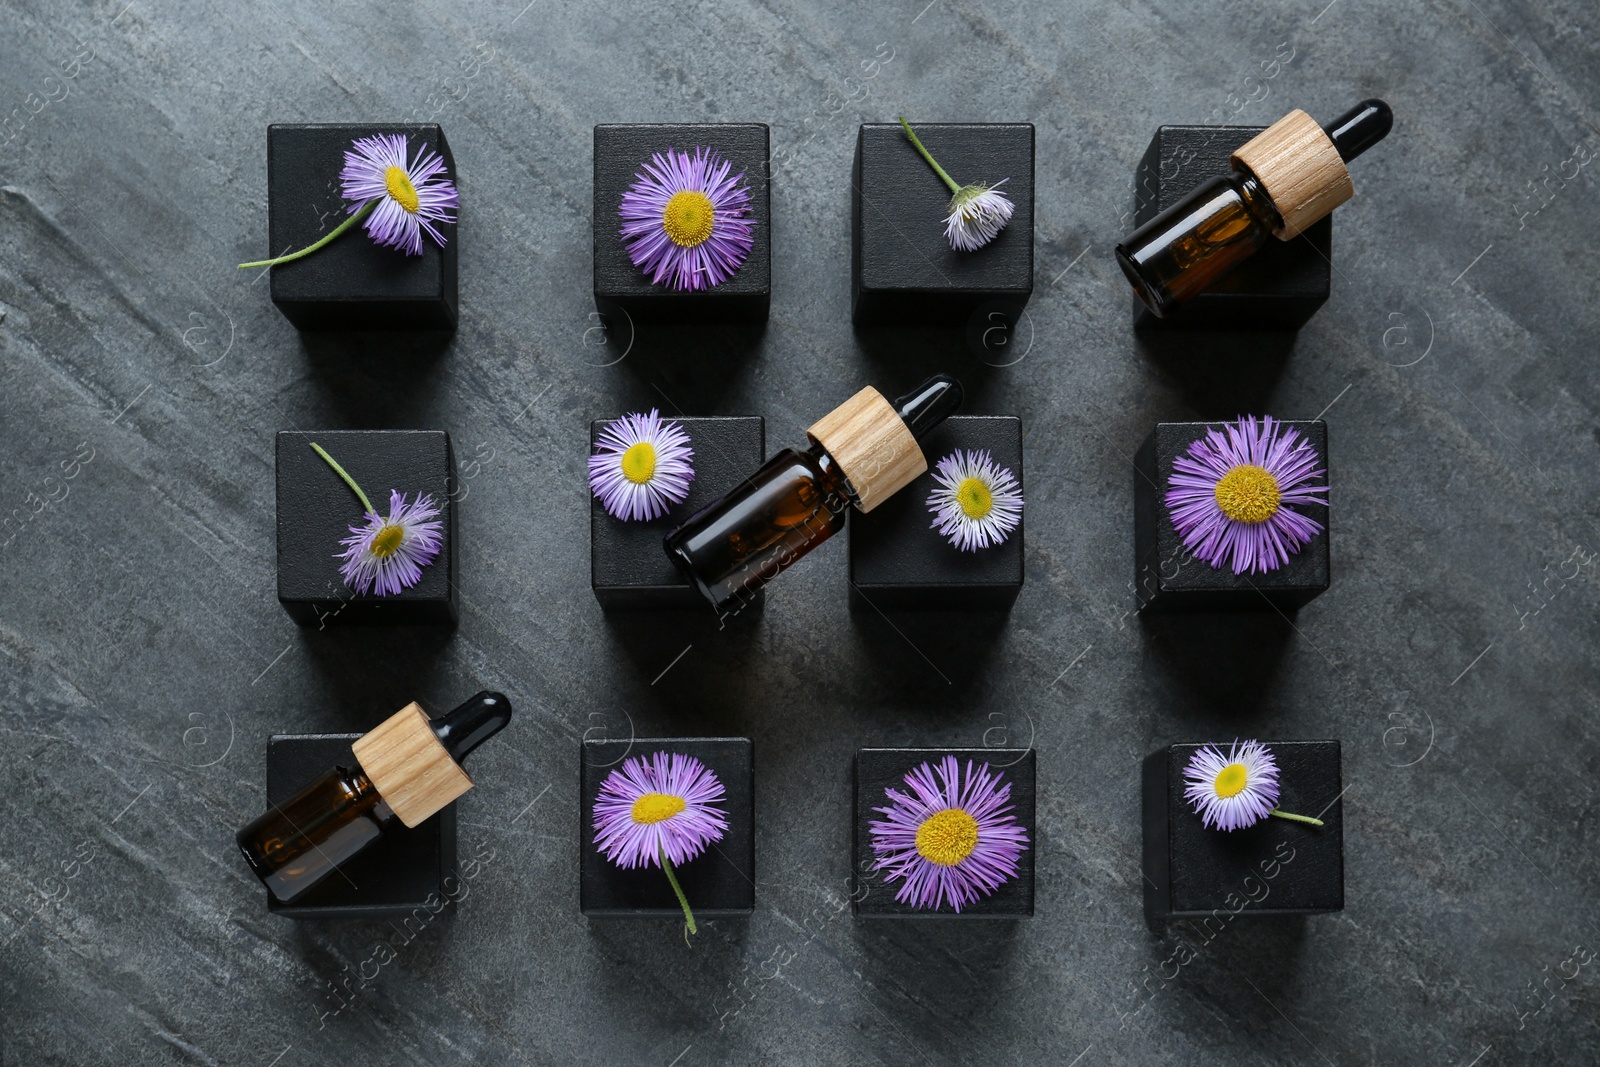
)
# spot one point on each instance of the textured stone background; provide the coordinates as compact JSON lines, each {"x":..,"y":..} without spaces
{"x":145,"y":660}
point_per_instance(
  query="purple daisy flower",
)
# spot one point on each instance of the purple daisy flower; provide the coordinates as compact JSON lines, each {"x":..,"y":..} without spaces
{"x":641,"y":466}
{"x":685,"y":220}
{"x":387,"y":555}
{"x":1228,"y":495}
{"x":1233,"y":791}
{"x":952,"y":839}
{"x":409,"y":199}
{"x":658,"y":805}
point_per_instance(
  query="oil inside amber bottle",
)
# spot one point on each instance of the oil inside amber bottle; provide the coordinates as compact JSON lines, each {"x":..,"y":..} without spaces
{"x":298,"y":843}
{"x":795,"y":502}
{"x":1184,"y":250}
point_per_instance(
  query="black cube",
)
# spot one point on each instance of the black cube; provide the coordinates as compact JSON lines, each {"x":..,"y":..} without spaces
{"x":902,"y":268}
{"x":1278,"y":288}
{"x":627,"y":567}
{"x":877,"y":769}
{"x":316,"y":510}
{"x":720,"y":882}
{"x":620,"y":152}
{"x":1168,"y":578}
{"x":899,"y":562}
{"x":403,"y":871}
{"x":1276,"y":867}
{"x":351,"y":284}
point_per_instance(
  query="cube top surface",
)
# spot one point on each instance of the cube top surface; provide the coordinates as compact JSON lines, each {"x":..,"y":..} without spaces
{"x":896,"y":546}
{"x":304,"y":203}
{"x":627,"y":554}
{"x":1174,"y":569}
{"x":316,"y":508}
{"x":1205,"y":866}
{"x":718,"y":882}
{"x":394,"y":875}
{"x":621,"y":150}
{"x":902,"y":205}
{"x":878,"y":769}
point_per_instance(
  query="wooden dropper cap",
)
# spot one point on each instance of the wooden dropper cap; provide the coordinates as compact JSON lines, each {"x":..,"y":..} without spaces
{"x":875,"y":443}
{"x":415,"y":761}
{"x":1301,"y":165}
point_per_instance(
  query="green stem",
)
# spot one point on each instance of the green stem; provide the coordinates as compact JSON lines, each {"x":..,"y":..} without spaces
{"x":1295,"y":818}
{"x":351,"y":482}
{"x":951,"y":182}
{"x":666,"y":865}
{"x":366,"y":209}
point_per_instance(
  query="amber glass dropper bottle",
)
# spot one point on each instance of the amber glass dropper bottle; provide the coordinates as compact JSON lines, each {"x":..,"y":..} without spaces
{"x":404,"y":770}
{"x":861,"y":453}
{"x":1287,"y":177}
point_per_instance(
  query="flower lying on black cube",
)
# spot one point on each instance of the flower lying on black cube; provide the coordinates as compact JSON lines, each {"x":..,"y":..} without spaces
{"x":944,"y":832}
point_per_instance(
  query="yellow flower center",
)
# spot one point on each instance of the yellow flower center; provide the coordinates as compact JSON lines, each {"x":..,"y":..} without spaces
{"x":639,"y":463}
{"x":1248,"y":494}
{"x":387,"y":543}
{"x":947,"y":837}
{"x":1230,"y":780}
{"x":687,"y":218}
{"x":401,"y":191}
{"x":654,"y":807}
{"x":974,"y":497}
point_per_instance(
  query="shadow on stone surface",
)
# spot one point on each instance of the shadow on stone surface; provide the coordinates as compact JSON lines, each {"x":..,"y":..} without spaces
{"x":685,"y":369}
{"x":370,"y":672}
{"x":934,"y":657}
{"x":1221,"y":374}
{"x":378,"y":380}
{"x":1225,"y":663}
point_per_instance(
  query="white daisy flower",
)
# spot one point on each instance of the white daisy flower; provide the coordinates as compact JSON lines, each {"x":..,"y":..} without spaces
{"x":977,"y":214}
{"x":642,"y":465}
{"x":1233,"y":791}
{"x":1237,"y":790}
{"x":976,"y":502}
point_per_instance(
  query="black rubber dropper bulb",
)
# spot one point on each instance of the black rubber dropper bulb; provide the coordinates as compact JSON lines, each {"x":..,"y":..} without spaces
{"x":473,"y":723}
{"x":929,"y":404}
{"x":1360,"y":128}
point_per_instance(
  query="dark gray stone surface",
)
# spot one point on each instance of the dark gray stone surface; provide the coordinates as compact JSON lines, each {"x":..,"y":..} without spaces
{"x":145,"y":660}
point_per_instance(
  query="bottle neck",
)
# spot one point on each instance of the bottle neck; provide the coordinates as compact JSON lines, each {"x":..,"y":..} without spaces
{"x":361,"y":794}
{"x":1253,"y":195}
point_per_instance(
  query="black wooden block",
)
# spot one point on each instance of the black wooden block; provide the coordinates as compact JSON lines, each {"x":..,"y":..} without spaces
{"x":1278,"y":288}
{"x":351,"y":284}
{"x":403,"y":871}
{"x":877,"y":769}
{"x":1276,"y":867}
{"x":720,"y":882}
{"x":1168,"y":578}
{"x":898,"y":561}
{"x":620,"y":152}
{"x":627,"y":567}
{"x":902,"y":268}
{"x":316,"y":510}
